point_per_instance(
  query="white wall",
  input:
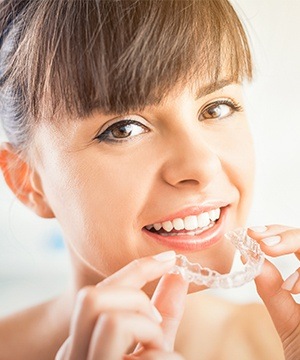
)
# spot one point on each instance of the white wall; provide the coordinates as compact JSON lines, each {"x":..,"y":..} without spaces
{"x":33,"y":266}
{"x":272,"y":109}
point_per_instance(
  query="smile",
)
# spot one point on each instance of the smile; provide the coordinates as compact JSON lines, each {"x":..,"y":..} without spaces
{"x":194,"y":231}
{"x":190,"y":225}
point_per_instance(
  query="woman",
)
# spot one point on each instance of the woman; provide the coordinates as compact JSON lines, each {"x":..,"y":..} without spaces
{"x":125,"y":122}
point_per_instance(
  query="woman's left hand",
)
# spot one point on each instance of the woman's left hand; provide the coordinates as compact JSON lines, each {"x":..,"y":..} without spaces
{"x":276,"y":240}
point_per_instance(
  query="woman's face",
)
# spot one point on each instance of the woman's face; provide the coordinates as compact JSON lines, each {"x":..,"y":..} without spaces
{"x":174,"y":176}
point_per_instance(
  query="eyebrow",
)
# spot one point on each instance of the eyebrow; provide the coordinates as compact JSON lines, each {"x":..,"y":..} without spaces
{"x":210,"y":88}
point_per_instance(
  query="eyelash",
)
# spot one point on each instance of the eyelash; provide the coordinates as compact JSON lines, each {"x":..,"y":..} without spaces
{"x":104,"y":136}
{"x":235,"y":107}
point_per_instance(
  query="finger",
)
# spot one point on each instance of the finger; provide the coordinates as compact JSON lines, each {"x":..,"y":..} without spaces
{"x":135,"y":274}
{"x":169,"y":298}
{"x":159,"y":355}
{"x":92,"y":301}
{"x":285,"y":312}
{"x":116,"y":332}
{"x":63,"y":352}
{"x":292,"y":283}
{"x":279,"y":240}
{"x":258,"y":232}
{"x":141,"y":271}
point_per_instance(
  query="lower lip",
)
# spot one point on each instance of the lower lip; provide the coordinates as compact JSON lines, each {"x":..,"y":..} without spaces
{"x":190,"y":243}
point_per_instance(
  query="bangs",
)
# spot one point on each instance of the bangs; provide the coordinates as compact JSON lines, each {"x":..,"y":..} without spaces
{"x":116,"y":56}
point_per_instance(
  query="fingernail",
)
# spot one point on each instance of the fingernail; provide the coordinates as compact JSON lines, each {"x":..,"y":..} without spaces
{"x":290,"y":281}
{"x":157,"y":314}
{"x":272,"y":240}
{"x":258,"y":229}
{"x":165,"y":256}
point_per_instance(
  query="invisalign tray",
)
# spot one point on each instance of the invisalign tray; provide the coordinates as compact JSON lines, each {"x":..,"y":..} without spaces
{"x":252,"y":256}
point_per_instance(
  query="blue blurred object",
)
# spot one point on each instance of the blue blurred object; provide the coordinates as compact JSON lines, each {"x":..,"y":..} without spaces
{"x":55,"y":241}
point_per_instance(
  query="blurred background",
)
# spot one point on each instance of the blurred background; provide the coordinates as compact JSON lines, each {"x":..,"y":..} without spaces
{"x":33,"y":262}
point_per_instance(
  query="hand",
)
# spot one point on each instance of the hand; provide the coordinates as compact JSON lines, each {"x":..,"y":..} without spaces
{"x":116,"y":315}
{"x":276,"y":240}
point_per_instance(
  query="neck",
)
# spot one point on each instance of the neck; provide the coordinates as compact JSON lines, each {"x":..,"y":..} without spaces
{"x":82,"y":274}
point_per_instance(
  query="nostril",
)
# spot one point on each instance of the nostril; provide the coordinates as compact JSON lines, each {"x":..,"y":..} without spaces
{"x":189,"y":182}
{"x":197,"y":172}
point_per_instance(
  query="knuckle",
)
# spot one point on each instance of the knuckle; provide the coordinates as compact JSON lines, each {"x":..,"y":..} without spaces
{"x":118,"y":327}
{"x":143,"y":299}
{"x":141,"y":268}
{"x":136,"y":264}
{"x":86,"y":296}
{"x":161,"y":355}
{"x":138,"y":267}
{"x":112,"y":323}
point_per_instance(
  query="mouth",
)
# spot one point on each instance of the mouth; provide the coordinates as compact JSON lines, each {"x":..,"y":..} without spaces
{"x":196,"y":231}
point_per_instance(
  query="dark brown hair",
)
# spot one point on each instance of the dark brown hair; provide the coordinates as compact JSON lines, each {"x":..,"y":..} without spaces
{"x":72,"y":57}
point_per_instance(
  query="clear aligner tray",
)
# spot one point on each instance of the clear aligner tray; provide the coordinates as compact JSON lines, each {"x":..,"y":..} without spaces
{"x":250,"y":251}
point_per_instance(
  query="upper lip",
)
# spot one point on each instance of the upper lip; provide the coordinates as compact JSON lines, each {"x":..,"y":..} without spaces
{"x":195,"y":209}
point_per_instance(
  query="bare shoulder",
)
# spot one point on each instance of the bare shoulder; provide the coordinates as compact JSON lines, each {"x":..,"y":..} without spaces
{"x":202,"y":326}
{"x":34,"y":333}
{"x":251,"y":327}
{"x":218,"y":329}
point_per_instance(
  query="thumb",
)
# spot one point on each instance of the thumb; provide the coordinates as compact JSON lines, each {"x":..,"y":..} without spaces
{"x":284,"y":310}
{"x":169,"y":298}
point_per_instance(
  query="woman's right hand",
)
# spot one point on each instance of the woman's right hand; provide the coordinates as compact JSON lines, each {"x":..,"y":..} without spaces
{"x":116,"y":315}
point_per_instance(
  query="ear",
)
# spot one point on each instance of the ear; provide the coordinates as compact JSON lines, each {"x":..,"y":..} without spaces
{"x":24,"y":181}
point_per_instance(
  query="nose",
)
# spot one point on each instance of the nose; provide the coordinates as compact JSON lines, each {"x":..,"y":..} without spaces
{"x":190,"y":161}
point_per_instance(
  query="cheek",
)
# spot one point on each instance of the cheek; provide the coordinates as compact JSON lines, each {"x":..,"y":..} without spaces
{"x":232,"y":142}
{"x":239,"y":163}
{"x":97,"y":203}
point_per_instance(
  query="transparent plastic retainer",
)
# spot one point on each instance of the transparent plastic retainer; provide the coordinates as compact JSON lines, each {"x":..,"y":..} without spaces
{"x":250,"y":251}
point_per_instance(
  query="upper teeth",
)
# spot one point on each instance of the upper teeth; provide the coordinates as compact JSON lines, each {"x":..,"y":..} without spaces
{"x":190,"y":222}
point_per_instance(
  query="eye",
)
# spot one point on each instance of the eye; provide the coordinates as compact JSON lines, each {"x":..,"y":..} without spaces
{"x":122,"y":131}
{"x":219,"y":109}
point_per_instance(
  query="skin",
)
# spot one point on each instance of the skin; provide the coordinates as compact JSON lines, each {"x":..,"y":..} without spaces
{"x":116,"y":314}
{"x":276,"y":294}
{"x":180,"y":160}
